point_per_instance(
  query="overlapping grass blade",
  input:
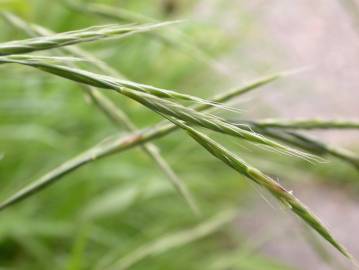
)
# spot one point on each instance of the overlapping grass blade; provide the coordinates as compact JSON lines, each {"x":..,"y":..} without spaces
{"x":168,"y":242}
{"x":75,"y":37}
{"x":109,"y":108}
{"x":279,"y":192}
{"x":118,"y":144}
{"x":308,"y":124}
{"x":119,"y":118}
{"x":153,"y":102}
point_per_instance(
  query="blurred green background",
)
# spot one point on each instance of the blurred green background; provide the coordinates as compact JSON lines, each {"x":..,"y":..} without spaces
{"x":113,"y":206}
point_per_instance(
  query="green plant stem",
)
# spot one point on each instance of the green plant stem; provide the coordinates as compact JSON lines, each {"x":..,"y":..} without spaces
{"x":265,"y":181}
{"x":117,"y":116}
{"x":175,"y":38}
{"x":308,"y":144}
{"x":154,"y":103}
{"x":119,"y":144}
{"x":308,"y":124}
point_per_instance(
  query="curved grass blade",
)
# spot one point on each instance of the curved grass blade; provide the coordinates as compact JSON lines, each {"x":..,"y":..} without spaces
{"x":154,"y":103}
{"x":279,"y":192}
{"x":168,"y":242}
{"x":109,"y":108}
{"x":75,"y":37}
{"x":117,"y":145}
{"x":118,"y":117}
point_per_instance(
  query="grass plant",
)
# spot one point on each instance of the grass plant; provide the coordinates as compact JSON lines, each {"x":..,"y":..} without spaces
{"x":179,"y":111}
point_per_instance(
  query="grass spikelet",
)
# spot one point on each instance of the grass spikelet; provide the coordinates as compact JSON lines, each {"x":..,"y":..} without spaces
{"x":114,"y":145}
{"x":109,"y":108}
{"x":265,"y":181}
{"x":75,"y":37}
{"x":155,"y":103}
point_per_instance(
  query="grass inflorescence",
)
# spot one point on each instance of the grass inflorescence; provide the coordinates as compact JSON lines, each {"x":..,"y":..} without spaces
{"x":114,"y":113}
{"x":169,"y":104}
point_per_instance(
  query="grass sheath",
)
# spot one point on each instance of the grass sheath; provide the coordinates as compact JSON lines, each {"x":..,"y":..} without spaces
{"x":117,"y":116}
{"x":279,"y":192}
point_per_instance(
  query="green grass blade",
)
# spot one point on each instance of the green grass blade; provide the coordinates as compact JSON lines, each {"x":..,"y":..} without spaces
{"x":168,"y":242}
{"x":115,"y":145}
{"x":109,"y":12}
{"x":75,"y":37}
{"x":308,"y":144}
{"x":308,"y":124}
{"x":321,"y":148}
{"x":118,"y":117}
{"x":266,"y":182}
{"x":154,"y":103}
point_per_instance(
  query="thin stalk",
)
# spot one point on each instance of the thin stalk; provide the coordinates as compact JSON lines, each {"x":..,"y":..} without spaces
{"x":154,"y":103}
{"x":175,"y":39}
{"x":150,"y":149}
{"x":117,"y":116}
{"x":37,"y":30}
{"x":168,"y":242}
{"x":308,"y":144}
{"x":75,"y":37}
{"x":279,"y":192}
{"x":117,"y":145}
{"x":308,"y":124}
